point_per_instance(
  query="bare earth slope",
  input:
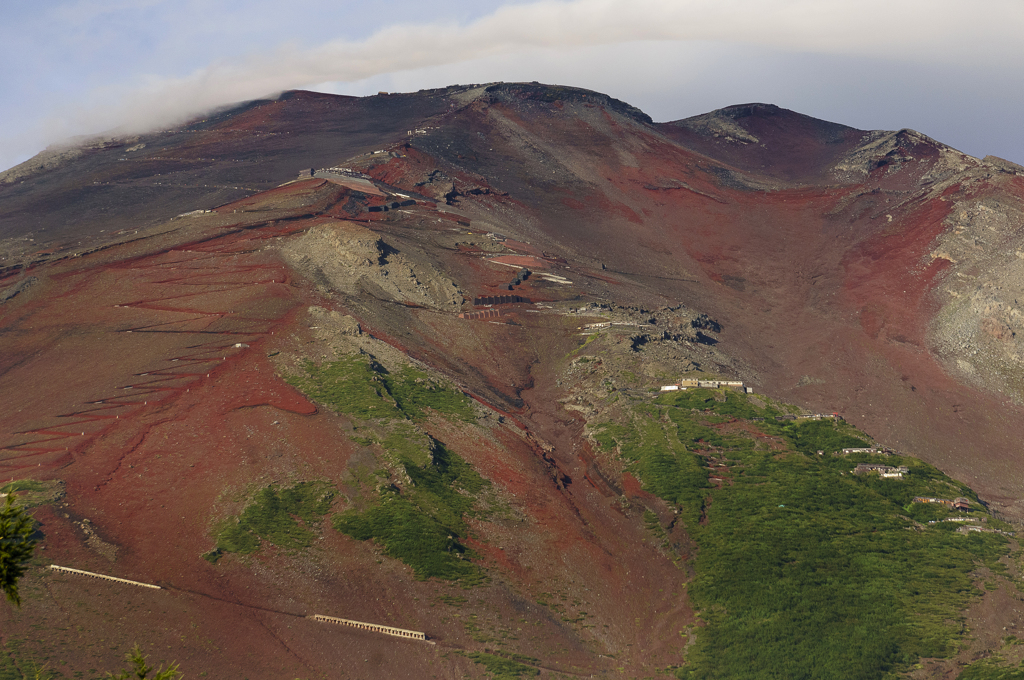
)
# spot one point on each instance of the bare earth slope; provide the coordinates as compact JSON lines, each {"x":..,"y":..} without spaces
{"x":161,"y":298}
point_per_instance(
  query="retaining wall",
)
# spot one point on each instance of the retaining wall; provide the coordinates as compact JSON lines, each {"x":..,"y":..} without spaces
{"x":376,"y":628}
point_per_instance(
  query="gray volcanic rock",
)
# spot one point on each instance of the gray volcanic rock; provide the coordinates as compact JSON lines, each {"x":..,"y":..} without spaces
{"x":352,"y":259}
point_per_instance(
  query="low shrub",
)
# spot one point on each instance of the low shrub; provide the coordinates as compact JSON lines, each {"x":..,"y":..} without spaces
{"x":424,"y":525}
{"x":359,"y":386}
{"x":283,"y":517}
{"x":503,"y":668}
{"x":803,"y":570}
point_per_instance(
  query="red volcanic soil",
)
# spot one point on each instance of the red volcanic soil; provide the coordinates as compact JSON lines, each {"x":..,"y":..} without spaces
{"x":823,"y":284}
{"x":522,"y":261}
{"x":140,"y":369}
{"x":140,"y":376}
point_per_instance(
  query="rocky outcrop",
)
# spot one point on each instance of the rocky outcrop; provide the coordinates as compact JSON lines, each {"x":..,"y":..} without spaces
{"x":60,"y":155}
{"x":348,"y":258}
{"x":895,"y":150}
{"x":557,"y":93}
{"x":50,"y":159}
{"x":437,"y":186}
{"x":19,"y":287}
{"x":980,"y":328}
{"x":719,"y":125}
{"x":1003,"y":165}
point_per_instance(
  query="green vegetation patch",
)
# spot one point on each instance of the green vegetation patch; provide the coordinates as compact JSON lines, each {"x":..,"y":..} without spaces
{"x":415,"y":392}
{"x":424,"y":524}
{"x":804,"y":570}
{"x":659,"y":459}
{"x":16,"y":664}
{"x":284,"y":517}
{"x":987,"y":670}
{"x":31,"y":492}
{"x":505,"y":668}
{"x":811,"y":436}
{"x":420,"y":521}
{"x":724,"y":401}
{"x":22,"y":485}
{"x":812,"y":565}
{"x":353,"y":385}
{"x":359,"y":386}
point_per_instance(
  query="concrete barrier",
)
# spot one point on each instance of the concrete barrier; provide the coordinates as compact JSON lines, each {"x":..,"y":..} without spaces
{"x":69,"y":570}
{"x":376,"y":628}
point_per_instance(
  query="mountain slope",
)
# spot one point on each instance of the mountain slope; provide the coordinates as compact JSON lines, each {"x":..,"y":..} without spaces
{"x":280,"y":396}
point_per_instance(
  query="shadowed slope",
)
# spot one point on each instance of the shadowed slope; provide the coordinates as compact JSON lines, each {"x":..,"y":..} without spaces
{"x":764,"y":139}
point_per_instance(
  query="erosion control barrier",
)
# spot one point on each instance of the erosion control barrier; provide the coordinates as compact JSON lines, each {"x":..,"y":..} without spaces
{"x":387,"y":630}
{"x":486,"y":314}
{"x":69,"y":570}
{"x":499,"y":300}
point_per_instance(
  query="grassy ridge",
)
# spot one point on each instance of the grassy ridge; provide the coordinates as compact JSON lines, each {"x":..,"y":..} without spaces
{"x":424,"y":525}
{"x":273,"y":516}
{"x":350,"y":385}
{"x":420,"y":517}
{"x":22,"y":485}
{"x":985,"y":670}
{"x":804,"y":570}
{"x":658,"y":458}
{"x":359,"y":386}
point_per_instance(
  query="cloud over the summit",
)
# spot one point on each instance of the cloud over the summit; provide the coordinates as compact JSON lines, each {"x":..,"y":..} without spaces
{"x":940,"y":33}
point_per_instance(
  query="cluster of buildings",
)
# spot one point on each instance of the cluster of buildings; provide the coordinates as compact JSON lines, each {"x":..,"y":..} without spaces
{"x":966,"y":528}
{"x":871,"y":450}
{"x":810,"y":416}
{"x":608,"y":324}
{"x":885,"y":471}
{"x":960,"y":503}
{"x":882,"y":470}
{"x":687,"y":383}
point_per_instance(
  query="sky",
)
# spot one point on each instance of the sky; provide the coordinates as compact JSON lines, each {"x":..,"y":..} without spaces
{"x":951,"y":70}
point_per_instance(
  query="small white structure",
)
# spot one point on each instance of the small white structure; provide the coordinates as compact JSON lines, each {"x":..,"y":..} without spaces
{"x":713,"y":384}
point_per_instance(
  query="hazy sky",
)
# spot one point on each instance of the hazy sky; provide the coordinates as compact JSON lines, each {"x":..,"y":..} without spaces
{"x":952,"y":70}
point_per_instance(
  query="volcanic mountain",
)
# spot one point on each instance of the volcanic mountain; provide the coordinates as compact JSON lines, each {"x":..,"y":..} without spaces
{"x":228,"y":347}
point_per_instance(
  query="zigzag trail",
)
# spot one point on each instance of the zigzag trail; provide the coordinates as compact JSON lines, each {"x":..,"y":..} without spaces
{"x":188,"y":283}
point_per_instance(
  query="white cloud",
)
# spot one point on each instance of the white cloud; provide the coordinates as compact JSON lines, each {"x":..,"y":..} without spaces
{"x":940,"y":33}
